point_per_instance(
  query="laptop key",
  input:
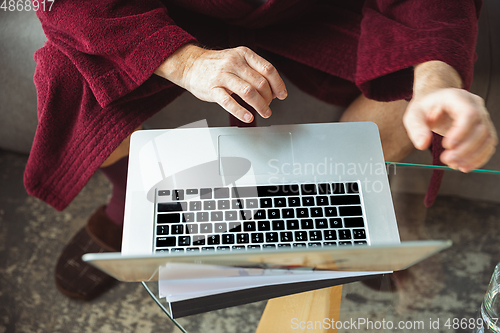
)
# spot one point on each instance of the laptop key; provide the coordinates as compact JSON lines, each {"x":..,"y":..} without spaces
{"x":192,"y":249}
{"x":252,"y":203}
{"x":273,"y":213}
{"x":359,"y":233}
{"x":344,"y":234}
{"x":168,"y":218}
{"x":213,"y":240}
{"x":260,"y":214}
{"x":338,"y":188}
{"x":192,"y":191}
{"x":177,"y":250}
{"x":257,"y":237}
{"x":209,"y":205}
{"x":220,"y":193}
{"x":162,"y":230}
{"x":206,"y":193}
{"x":271,"y":237}
{"x":228,"y":239}
{"x":195,"y":205}
{"x":238,"y":247}
{"x":329,"y":234}
{"x":302,"y":212}
{"x":253,"y":247}
{"x":163,"y":193}
{"x":360,"y":243}
{"x":268,"y":246}
{"x":266,"y":202}
{"x":184,"y":241}
{"x":329,"y":243}
{"x":162,"y":251}
{"x":336,"y":223}
{"x":324,"y":188}
{"x":330,"y":211}
{"x":284,"y":245}
{"x":216,"y":216}
{"x":172,"y":207}
{"x":345,"y":200}
{"x":223,"y":248}
{"x":165,"y":241}
{"x":192,"y":228}
{"x":321,"y":223}
{"x":292,"y":224}
{"x":198,"y":240}
{"x":286,"y":236}
{"x":300,"y":236}
{"x":202,"y":217}
{"x":279,"y":202}
{"x":307,"y":201}
{"x":315,"y":235}
{"x":293,"y":202}
{"x":177,"y":229}
{"x":308,"y":189}
{"x":237,"y":204}
{"x":220,"y":227}
{"x":208,"y":249}
{"x":322,"y":201}
{"x":278,"y":225}
{"x":231,"y":215}
{"x":350,"y":211}
{"x":242,"y":238}
{"x":205,"y":228}
{"x":246,"y":214}
{"x":354,"y":222}
{"x":345,"y":243}
{"x":288,"y":213}
{"x":317,"y":212}
{"x":188,"y":217}
{"x":177,"y":195}
{"x":314,"y":244}
{"x":235,"y":226}
{"x":249,"y":226}
{"x":264,"y":225}
{"x":352,"y":187}
{"x":299,"y":245}
{"x":223,"y":204}
{"x":307,"y":224}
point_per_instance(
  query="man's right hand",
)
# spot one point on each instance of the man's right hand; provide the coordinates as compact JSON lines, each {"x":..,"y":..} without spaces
{"x":212,"y":76}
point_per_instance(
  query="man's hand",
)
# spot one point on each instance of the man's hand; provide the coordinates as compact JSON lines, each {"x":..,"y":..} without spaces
{"x":213,"y":76}
{"x":456,"y":114}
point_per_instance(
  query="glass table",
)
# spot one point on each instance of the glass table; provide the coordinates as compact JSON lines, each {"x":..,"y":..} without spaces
{"x":440,"y":294}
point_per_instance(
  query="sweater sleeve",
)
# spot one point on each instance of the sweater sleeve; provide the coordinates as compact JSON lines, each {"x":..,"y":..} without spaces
{"x":115,"y":44}
{"x":396,"y":35}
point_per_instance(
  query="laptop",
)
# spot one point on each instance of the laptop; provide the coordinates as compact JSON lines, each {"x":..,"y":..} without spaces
{"x":286,"y":196}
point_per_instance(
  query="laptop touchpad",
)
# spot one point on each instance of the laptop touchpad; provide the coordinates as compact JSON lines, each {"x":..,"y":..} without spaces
{"x":265,"y":152}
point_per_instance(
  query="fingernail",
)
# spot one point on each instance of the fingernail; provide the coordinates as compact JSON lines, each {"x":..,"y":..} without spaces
{"x":247,"y":117}
{"x":283,"y":94}
{"x":268,"y":113}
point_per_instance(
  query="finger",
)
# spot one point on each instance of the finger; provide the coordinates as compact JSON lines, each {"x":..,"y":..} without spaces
{"x":474,"y":143}
{"x":248,"y":93}
{"x":260,"y":83}
{"x":417,"y":128}
{"x":478,"y":159}
{"x":224,"y":99}
{"x":267,"y":70}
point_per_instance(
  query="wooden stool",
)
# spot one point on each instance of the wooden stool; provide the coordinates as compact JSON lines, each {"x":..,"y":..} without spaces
{"x":301,"y":312}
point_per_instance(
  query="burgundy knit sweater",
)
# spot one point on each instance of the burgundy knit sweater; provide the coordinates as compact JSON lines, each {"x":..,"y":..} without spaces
{"x":95,"y":81}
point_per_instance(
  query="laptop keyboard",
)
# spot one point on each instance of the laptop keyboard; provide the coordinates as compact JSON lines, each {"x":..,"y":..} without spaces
{"x":259,"y":217}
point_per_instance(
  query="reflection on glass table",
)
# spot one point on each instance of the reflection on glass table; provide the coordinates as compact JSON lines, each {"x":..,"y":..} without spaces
{"x":442,"y":293}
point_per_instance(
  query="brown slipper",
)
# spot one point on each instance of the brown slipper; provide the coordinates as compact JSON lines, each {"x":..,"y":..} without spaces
{"x":77,"y":279}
